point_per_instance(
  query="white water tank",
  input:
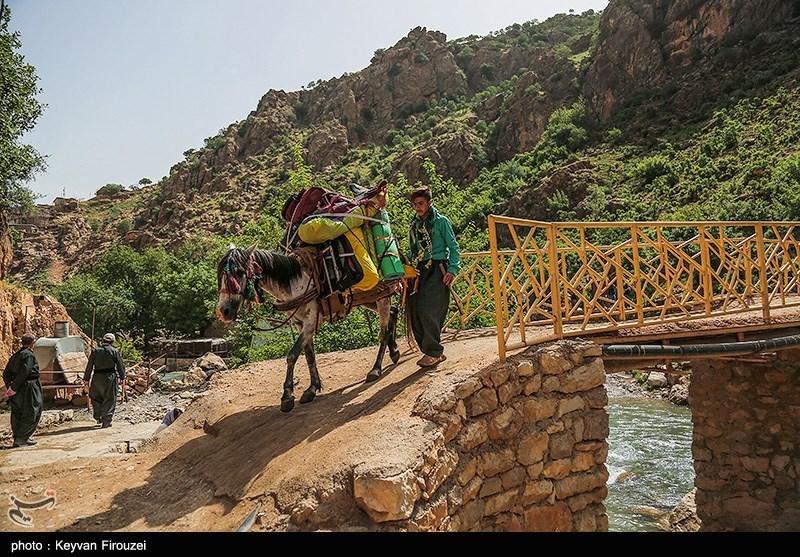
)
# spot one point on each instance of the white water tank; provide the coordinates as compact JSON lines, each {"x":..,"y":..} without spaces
{"x":61,"y":329}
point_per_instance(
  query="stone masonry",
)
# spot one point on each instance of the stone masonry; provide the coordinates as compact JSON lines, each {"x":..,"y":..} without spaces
{"x":521,"y":447}
{"x":745,"y":444}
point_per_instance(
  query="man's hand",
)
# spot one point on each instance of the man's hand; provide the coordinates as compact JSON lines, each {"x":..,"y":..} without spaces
{"x":448,"y":279}
{"x":10,"y":392}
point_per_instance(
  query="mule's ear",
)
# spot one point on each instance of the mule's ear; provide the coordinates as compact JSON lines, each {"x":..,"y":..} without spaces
{"x":252,"y":248}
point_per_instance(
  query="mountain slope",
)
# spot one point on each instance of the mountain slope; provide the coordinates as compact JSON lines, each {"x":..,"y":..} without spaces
{"x":653,"y":96}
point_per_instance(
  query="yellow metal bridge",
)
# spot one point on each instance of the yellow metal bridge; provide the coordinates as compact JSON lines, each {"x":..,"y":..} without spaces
{"x":544,"y":281}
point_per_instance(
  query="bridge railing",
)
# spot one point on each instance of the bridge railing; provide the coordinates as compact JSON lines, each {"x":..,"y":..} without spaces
{"x":556,"y":280}
{"x":473,"y":286}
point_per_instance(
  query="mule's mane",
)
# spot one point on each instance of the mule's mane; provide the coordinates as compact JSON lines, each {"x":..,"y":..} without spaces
{"x":275,"y":267}
{"x":279,"y":268}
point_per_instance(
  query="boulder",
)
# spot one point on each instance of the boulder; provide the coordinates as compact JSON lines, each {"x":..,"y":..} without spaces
{"x":207,"y":365}
{"x":679,"y":394}
{"x":657,"y":379}
{"x":683,"y":518}
{"x":203,"y":368}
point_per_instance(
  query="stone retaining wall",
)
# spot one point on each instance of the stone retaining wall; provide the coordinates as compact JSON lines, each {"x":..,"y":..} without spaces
{"x":521,"y":446}
{"x":746,"y":443}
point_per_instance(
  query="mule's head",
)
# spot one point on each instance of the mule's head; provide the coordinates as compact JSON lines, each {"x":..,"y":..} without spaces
{"x":232,"y":282}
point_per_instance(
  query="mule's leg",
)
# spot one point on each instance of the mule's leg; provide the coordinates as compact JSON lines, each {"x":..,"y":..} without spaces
{"x":383,"y":308}
{"x":316,"y":383}
{"x":394,"y":352}
{"x":287,"y":400}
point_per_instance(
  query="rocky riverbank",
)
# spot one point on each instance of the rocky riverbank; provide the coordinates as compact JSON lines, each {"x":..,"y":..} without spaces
{"x":653,"y":384}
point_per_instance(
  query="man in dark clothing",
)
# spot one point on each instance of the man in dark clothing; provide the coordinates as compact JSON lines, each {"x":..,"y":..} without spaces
{"x":109,"y":370}
{"x":24,"y":391}
{"x":433,"y":250}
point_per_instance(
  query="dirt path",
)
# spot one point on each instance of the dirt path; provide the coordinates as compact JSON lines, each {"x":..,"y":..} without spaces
{"x":233,"y":449}
{"x":196,"y":478}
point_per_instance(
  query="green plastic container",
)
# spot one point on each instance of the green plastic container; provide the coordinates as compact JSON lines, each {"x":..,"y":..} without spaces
{"x":386,"y":249}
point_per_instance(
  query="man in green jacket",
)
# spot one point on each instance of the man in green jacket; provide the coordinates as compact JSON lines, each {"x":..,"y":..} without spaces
{"x":434,"y":252}
{"x":24,"y":392}
{"x":109,"y":370}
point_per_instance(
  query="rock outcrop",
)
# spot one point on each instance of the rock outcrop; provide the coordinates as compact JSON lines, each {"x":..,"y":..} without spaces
{"x":203,"y":368}
{"x":22,"y":311}
{"x":683,"y":518}
{"x":644,"y":45}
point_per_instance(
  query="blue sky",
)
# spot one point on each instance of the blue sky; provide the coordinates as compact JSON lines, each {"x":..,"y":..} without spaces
{"x":131,"y":84}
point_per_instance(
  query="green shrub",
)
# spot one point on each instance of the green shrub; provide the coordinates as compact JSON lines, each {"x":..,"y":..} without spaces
{"x":300,"y":111}
{"x":123,"y":227}
{"x":367,"y":115}
{"x":110,"y":189}
{"x":649,"y":168}
{"x":464,"y":56}
{"x":214,"y":143}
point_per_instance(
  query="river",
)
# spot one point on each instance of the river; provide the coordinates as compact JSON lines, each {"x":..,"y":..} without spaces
{"x":649,"y":460}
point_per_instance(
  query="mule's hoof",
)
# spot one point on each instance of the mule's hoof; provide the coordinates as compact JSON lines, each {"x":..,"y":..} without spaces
{"x":307,"y":396}
{"x":395,"y":356}
{"x":287,"y":405}
{"x":373,"y":375}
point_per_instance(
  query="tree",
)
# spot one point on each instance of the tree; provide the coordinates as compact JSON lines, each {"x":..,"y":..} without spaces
{"x":145,"y":182}
{"x":110,"y":189}
{"x":92,"y":304}
{"x":186,"y":298}
{"x":19,"y":110}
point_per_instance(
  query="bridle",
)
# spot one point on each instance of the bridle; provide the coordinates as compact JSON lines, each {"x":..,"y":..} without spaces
{"x":252,"y":291}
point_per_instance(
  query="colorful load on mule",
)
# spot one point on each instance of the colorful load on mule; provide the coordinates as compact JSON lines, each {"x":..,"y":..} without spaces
{"x":353,"y":236}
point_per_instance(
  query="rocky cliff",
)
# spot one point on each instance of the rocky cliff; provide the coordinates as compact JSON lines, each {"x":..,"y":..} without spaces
{"x":22,"y":311}
{"x":465,"y":104}
{"x":646,"y":44}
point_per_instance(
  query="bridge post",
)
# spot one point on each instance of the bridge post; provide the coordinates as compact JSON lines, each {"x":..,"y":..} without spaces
{"x":499,"y":296}
{"x":637,"y":273}
{"x":705,"y":264}
{"x":555,"y":283}
{"x":762,"y":272}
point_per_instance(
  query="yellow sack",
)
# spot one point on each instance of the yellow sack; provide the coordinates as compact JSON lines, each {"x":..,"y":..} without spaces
{"x":371,"y":277}
{"x":322,"y":229}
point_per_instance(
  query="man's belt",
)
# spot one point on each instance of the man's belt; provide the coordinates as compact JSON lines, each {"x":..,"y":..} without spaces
{"x":107,"y":370}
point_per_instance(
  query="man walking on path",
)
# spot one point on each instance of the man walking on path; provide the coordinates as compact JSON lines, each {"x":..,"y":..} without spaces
{"x":433,"y":250}
{"x":24,"y":391}
{"x":109,"y":370}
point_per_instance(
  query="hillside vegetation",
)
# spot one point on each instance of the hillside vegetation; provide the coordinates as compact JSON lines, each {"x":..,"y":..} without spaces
{"x":511,"y":123}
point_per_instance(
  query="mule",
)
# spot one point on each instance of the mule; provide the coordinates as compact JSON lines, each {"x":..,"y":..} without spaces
{"x":241,"y":273}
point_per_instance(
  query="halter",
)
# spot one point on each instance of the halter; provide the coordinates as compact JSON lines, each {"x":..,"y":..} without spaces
{"x":252,"y":284}
{"x":253,"y":290}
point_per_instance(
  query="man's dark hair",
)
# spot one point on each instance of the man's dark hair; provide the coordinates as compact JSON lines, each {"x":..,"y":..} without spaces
{"x":421,"y":191}
{"x":27,"y":339}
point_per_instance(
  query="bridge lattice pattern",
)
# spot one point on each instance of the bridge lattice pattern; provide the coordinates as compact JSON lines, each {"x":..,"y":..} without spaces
{"x":543,"y":281}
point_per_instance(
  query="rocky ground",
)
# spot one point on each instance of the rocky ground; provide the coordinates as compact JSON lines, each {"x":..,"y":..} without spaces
{"x":233,"y":449}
